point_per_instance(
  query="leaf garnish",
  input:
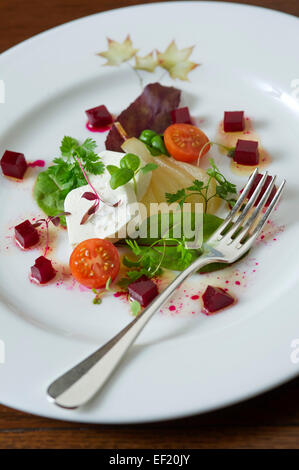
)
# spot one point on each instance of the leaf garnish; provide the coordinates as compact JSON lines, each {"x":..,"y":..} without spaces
{"x":89,"y":196}
{"x":99,"y":294}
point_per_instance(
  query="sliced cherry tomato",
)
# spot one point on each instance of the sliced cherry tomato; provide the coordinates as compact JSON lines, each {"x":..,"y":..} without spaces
{"x":94,"y":261}
{"x":184,"y":142}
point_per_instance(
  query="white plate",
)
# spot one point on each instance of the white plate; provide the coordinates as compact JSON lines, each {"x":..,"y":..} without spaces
{"x":182,"y":364}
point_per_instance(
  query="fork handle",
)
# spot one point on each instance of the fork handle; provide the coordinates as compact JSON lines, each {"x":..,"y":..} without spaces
{"x":77,"y":386}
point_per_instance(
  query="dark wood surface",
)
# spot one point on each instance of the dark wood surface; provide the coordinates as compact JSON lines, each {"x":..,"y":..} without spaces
{"x":268,"y":421}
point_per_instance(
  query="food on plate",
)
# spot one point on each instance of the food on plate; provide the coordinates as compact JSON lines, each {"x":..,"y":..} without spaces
{"x":53,"y":185}
{"x":215,"y":299}
{"x":233,"y":121}
{"x":151,"y":110}
{"x":93,"y":262}
{"x":181,"y":116}
{"x":99,"y":116}
{"x":13,"y":164}
{"x":26,"y":234}
{"x":184,"y":142}
{"x":144,"y":290}
{"x":42,"y":271}
{"x":246,"y":152}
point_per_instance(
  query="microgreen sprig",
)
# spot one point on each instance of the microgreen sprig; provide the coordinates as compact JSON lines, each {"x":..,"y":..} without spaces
{"x":224,"y":189}
{"x":128,"y":170}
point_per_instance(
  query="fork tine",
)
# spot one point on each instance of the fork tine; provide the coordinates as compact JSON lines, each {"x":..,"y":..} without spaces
{"x":237,"y":206}
{"x":257,"y":211}
{"x":247,"y":208}
{"x":265,"y":217}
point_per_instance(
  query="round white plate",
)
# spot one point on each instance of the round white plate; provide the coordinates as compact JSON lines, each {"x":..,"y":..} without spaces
{"x":182,"y":363}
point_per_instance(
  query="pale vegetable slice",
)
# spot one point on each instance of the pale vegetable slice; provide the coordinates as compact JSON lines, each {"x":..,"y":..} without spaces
{"x":170,"y":176}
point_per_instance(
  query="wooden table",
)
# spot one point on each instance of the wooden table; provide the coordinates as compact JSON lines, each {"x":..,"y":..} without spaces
{"x":270,"y":421}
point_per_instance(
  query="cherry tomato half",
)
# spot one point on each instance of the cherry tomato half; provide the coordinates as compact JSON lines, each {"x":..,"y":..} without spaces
{"x":184,"y":142}
{"x":93,"y":261}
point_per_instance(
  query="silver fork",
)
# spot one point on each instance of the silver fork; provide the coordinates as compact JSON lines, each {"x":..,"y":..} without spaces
{"x":231,"y":240}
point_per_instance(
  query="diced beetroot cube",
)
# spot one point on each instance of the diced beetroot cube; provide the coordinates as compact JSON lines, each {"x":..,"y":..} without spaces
{"x":233,"y":121}
{"x":215,"y":298}
{"x":143,"y":290}
{"x":26,"y":235}
{"x":13,"y":164}
{"x":181,"y":115}
{"x":99,"y":116}
{"x":246,"y":152}
{"x":257,"y":179}
{"x":42,"y":271}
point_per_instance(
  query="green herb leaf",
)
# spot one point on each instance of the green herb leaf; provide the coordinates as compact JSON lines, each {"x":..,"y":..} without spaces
{"x":224,"y":189}
{"x":53,"y":184}
{"x":121,"y":177}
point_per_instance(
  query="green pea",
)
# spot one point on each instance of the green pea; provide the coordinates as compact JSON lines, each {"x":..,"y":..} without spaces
{"x":121,"y":177}
{"x":158,"y":143}
{"x":146,"y":136}
{"x":131,"y":161}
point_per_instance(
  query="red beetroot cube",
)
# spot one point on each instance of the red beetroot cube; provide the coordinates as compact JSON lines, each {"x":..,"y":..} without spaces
{"x":13,"y":164}
{"x":143,"y":290}
{"x":42,"y":271}
{"x":257,"y":179}
{"x":246,"y":152}
{"x":26,"y":234}
{"x":215,"y":298}
{"x":181,"y":115}
{"x":99,"y":116}
{"x":233,"y":121}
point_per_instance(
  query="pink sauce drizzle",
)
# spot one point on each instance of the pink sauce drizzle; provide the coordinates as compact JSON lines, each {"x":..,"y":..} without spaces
{"x":39,"y":163}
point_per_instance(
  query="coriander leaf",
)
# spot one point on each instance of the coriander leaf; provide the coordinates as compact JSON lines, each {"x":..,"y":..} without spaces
{"x":196,"y":186}
{"x":53,"y":184}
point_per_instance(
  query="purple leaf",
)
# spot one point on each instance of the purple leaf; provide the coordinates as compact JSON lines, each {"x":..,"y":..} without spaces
{"x":151,"y":110}
{"x":90,"y":196}
{"x":37,"y":224}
